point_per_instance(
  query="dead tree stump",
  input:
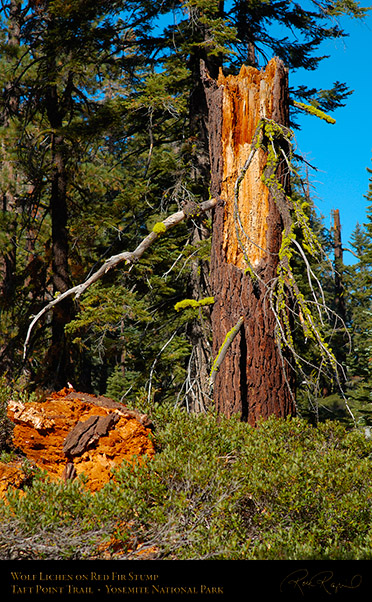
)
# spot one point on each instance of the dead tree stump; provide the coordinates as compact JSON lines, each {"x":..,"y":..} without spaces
{"x":255,"y":380}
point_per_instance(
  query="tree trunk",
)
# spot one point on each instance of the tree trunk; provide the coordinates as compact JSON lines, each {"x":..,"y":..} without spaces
{"x":339,"y":285}
{"x":340,"y":342}
{"x":198,"y":332}
{"x":254,"y":379}
{"x":8,"y":260}
{"x":59,"y":369}
{"x":198,"y":282}
{"x":8,"y":204}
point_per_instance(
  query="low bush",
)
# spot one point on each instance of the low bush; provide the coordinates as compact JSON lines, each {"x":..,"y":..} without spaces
{"x":216,"y":489}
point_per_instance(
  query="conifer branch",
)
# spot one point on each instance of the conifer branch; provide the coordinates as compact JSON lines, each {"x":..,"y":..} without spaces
{"x":114,"y":260}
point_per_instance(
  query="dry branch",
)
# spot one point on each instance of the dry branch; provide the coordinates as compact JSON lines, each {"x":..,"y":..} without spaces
{"x":113,"y":261}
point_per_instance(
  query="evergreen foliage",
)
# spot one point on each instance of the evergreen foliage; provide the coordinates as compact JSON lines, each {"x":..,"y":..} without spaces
{"x":358,"y":280}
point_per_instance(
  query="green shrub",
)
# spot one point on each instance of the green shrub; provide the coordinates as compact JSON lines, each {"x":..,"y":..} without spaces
{"x":217,"y":489}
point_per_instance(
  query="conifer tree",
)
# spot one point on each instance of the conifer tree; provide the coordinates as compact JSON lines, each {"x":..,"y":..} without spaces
{"x":227,"y":37}
{"x":359,"y":308}
{"x":252,"y":39}
{"x":67,"y":55}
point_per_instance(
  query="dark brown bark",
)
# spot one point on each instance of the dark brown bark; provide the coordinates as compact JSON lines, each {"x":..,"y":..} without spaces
{"x":339,"y":285}
{"x":59,"y":364}
{"x":8,"y":260}
{"x":340,"y":342}
{"x":9,"y":206}
{"x":198,"y":332}
{"x":254,"y":379}
{"x":85,"y":434}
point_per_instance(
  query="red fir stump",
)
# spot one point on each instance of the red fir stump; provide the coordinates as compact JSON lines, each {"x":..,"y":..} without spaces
{"x":254,"y":380}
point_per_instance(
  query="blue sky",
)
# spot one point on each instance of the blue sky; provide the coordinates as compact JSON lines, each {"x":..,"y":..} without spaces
{"x":341,"y":152}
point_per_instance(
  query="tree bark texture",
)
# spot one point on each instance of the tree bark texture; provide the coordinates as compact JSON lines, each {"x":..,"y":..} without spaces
{"x":254,"y":379}
{"x":197,"y":397}
{"x":8,"y":259}
{"x":58,"y":359}
{"x":339,"y":262}
{"x":341,"y":343}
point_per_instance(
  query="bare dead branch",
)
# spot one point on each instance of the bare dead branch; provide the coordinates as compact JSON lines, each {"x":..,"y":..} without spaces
{"x":350,"y":251}
{"x":113,"y":261}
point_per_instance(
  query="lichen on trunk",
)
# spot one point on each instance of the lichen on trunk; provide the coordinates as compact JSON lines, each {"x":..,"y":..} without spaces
{"x":254,"y":380}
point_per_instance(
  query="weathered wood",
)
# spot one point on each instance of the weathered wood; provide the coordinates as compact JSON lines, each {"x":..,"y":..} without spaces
{"x":86,"y":433}
{"x":255,"y":379}
{"x":69,"y":472}
{"x":41,"y":428}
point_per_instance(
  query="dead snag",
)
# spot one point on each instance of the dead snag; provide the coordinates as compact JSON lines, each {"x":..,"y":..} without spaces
{"x":254,"y":380}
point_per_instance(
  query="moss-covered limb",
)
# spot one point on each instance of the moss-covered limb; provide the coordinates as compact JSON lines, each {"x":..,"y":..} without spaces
{"x":113,"y":261}
{"x":187,"y":303}
{"x":286,"y":283}
{"x":272,"y":138}
{"x":309,"y":325}
{"x":312,"y":330}
{"x":223,"y":350}
{"x":314,"y":111}
{"x":277,"y":141}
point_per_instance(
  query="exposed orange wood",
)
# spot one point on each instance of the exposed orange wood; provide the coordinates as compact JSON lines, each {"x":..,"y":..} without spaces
{"x":247,"y":98}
